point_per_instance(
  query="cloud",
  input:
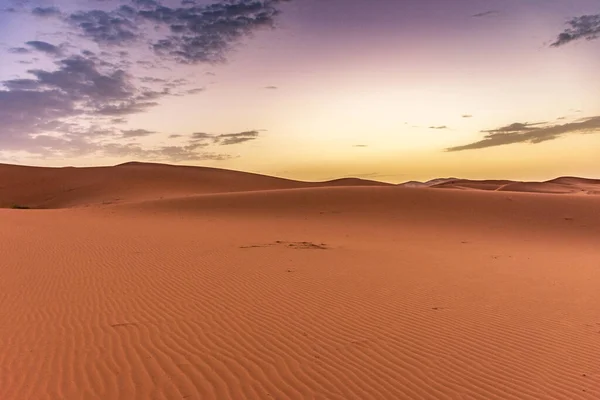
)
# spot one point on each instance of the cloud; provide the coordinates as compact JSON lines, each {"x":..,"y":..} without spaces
{"x":438,"y":127}
{"x":22,"y":84}
{"x":134,"y":133}
{"x":125,"y":108}
{"x":165,"y":153}
{"x":530,"y":133}
{"x":19,"y":50}
{"x":46,"y":11}
{"x":516,"y":127}
{"x":271,"y":87}
{"x":486,"y":14}
{"x":467,"y":116}
{"x":228,"y":139}
{"x":150,"y":79}
{"x":70,"y":107}
{"x":225,"y":139}
{"x":360,"y":145}
{"x":44,"y":47}
{"x":584,"y":27}
{"x":115,"y":27}
{"x":194,"y":34}
{"x":78,"y":88}
{"x":195,"y":91}
{"x":201,"y":136}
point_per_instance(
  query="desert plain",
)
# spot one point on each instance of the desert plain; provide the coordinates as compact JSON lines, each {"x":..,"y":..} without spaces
{"x":149,"y":281}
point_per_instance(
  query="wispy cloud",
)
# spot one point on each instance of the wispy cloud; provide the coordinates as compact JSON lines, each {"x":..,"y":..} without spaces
{"x":228,"y":139}
{"x":225,"y":139}
{"x":584,"y":27}
{"x":530,"y":133}
{"x":135,"y":133}
{"x":442,"y":127}
{"x":45,"y":47}
{"x":489,"y":13}
{"x":19,"y":50}
{"x":46,"y":11}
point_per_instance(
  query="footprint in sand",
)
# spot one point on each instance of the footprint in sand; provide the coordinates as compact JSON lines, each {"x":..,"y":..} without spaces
{"x":291,"y":245}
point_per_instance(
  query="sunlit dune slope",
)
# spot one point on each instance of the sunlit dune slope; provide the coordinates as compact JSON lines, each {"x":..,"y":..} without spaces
{"x":510,"y":212}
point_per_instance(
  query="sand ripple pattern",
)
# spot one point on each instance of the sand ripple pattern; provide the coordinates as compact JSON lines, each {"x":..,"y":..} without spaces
{"x":97,"y":305}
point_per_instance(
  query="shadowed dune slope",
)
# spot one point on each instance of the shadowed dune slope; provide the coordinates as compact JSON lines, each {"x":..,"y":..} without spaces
{"x":39,"y":187}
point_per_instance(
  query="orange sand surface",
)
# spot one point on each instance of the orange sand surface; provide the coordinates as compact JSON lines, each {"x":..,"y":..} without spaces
{"x":158,"y":282}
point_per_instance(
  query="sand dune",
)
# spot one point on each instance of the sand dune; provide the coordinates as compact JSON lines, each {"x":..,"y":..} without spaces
{"x":36,"y":187}
{"x":209,"y":284}
{"x":68,"y":187}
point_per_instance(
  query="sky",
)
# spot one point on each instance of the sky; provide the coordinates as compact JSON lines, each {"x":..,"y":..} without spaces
{"x":391,"y":90}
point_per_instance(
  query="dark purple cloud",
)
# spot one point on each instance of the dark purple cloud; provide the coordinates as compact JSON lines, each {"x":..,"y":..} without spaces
{"x":46,"y":11}
{"x":194,"y":33}
{"x":45,"y":47}
{"x":584,"y":27}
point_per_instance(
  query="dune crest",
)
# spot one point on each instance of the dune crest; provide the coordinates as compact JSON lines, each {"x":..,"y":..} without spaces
{"x":39,"y":187}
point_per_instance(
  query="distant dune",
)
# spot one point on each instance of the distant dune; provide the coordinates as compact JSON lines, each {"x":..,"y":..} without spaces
{"x":147,"y":281}
{"x":566,"y":185}
{"x":39,"y":187}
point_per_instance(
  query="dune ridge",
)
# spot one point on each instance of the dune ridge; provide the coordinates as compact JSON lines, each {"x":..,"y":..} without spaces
{"x":42,"y":187}
{"x":209,"y":284}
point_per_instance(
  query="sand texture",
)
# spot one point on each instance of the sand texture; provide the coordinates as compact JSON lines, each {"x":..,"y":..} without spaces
{"x":158,"y":282}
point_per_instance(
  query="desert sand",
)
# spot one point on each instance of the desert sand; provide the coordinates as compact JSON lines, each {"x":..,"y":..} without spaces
{"x":563,"y":185}
{"x":145,"y":281}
